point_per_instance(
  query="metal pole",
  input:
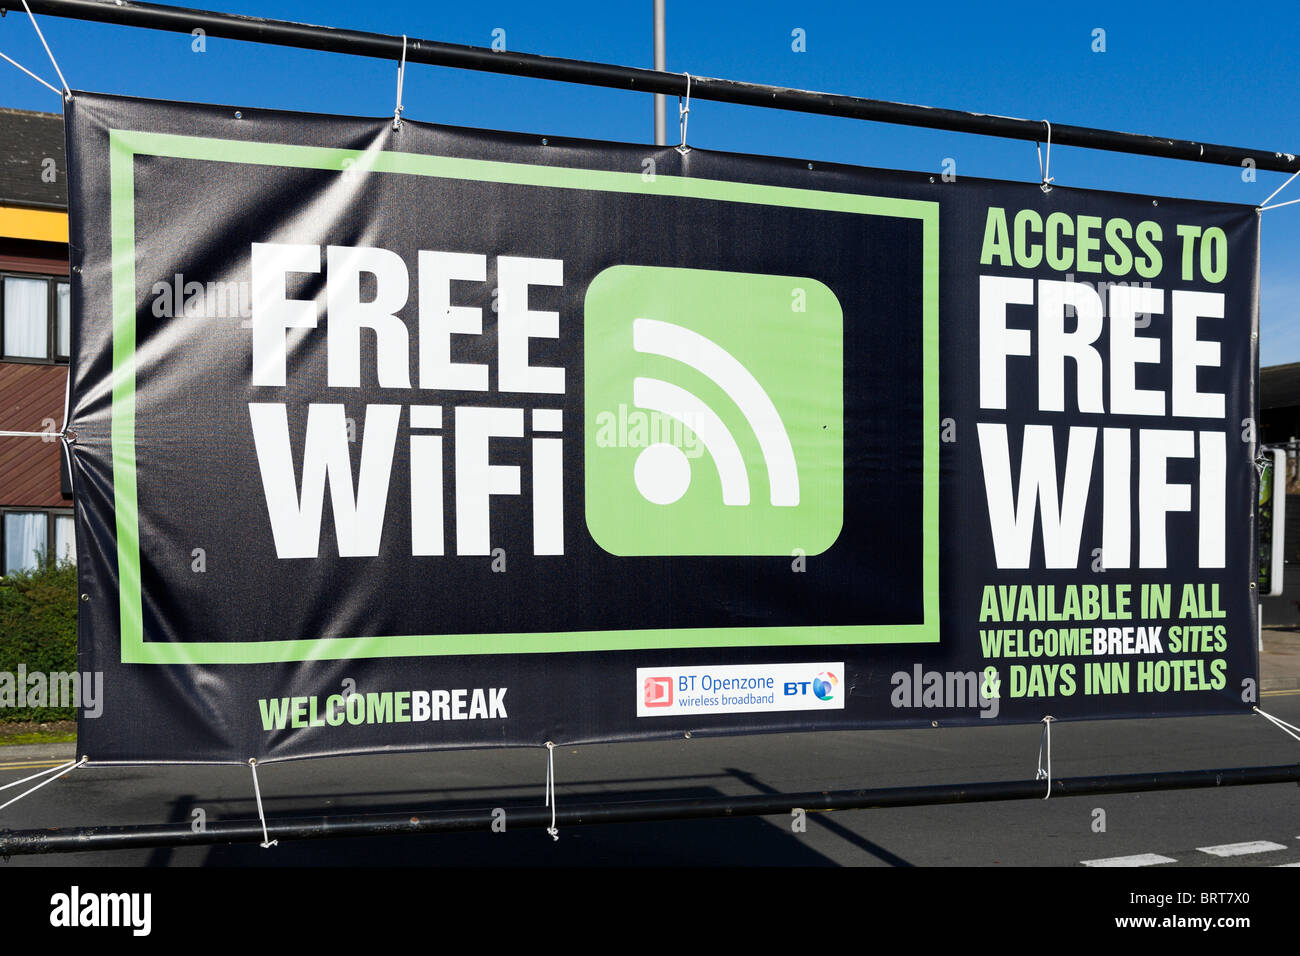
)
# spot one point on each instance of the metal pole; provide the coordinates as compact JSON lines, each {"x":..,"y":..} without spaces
{"x":661,"y":64}
{"x":85,"y":839}
{"x":382,"y":46}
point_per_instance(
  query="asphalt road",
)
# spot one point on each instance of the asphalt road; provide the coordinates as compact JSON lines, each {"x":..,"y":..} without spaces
{"x":1232,"y":826}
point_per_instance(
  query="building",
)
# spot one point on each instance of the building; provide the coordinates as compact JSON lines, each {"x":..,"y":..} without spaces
{"x":1279,"y":427}
{"x":35,"y":338}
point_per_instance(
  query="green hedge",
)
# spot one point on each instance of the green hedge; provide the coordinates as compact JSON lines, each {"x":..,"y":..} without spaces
{"x":38,"y":629}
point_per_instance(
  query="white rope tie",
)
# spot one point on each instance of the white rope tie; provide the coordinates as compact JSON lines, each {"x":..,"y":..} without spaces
{"x":48,"y":770}
{"x":67,"y":436}
{"x":1279,"y":205}
{"x":1043,"y":170}
{"x":684,"y":115}
{"x":401,"y":75}
{"x":1265,"y":203}
{"x":66,"y":91}
{"x":267,"y":842}
{"x":1281,"y":724}
{"x":1045,"y":773}
{"x":550,"y":788}
{"x":50,"y":86}
{"x":72,"y":477}
{"x":47,"y":436}
{"x":61,"y":770}
{"x":67,"y":394}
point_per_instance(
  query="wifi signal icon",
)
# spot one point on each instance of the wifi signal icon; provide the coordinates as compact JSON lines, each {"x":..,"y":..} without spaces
{"x":713,"y":412}
{"x":662,"y":472}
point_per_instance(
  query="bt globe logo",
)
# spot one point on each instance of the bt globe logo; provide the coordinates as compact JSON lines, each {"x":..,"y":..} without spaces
{"x":824,"y":685}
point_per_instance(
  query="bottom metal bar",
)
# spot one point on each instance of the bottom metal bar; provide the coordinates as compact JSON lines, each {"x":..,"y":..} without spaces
{"x":84,"y":839}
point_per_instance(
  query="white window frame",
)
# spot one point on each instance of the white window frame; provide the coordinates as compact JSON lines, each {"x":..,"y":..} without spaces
{"x":51,"y":535}
{"x":52,"y":283}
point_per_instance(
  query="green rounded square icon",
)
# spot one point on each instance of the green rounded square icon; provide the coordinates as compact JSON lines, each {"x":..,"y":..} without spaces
{"x":714,"y":413}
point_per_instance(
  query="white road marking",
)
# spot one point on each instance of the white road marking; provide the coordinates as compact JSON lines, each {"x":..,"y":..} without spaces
{"x":1140,"y":859}
{"x":1241,"y":849}
{"x":1286,"y":864}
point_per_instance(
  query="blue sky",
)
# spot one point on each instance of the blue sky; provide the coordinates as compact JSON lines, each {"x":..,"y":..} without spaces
{"x":1212,"y":72}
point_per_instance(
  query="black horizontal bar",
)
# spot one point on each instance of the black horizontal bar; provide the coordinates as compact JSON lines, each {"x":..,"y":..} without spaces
{"x":100,"y":838}
{"x":383,"y":46}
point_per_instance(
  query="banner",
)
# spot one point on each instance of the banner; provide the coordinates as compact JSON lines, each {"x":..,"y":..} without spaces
{"x":428,"y":438}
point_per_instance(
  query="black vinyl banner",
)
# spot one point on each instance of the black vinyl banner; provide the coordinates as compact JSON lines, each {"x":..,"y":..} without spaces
{"x":430,"y":438}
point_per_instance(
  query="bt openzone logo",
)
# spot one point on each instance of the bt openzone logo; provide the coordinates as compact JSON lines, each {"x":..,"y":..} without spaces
{"x":658,"y":691}
{"x":824,"y":685}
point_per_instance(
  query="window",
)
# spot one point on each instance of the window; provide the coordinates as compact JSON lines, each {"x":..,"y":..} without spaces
{"x":37,"y":318}
{"x":63,"y":319}
{"x":29,"y":537}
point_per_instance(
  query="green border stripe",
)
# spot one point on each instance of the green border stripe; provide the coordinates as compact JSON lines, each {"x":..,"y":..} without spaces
{"x":432,"y":645}
{"x":516,"y":174}
{"x":930,"y":417}
{"x":122,"y":433}
{"x":125,"y":145}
